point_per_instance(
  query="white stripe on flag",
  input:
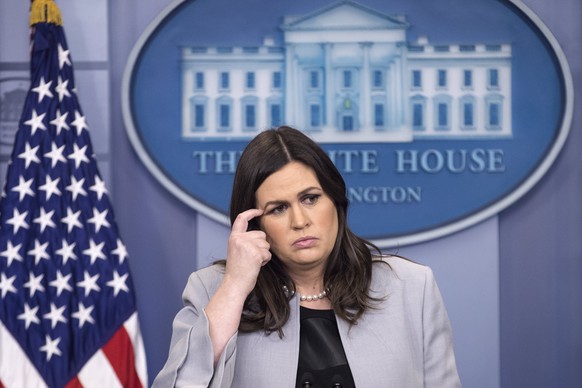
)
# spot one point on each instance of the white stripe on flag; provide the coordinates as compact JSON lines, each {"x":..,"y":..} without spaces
{"x":16,"y":371}
{"x":98,"y":373}
{"x":134,"y":333}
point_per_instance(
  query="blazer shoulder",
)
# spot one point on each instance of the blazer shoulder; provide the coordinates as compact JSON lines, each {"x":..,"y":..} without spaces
{"x":392,"y":267}
{"x":204,"y":282}
{"x":211,"y":274}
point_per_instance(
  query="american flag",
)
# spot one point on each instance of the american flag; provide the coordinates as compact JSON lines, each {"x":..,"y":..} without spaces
{"x":67,"y":305}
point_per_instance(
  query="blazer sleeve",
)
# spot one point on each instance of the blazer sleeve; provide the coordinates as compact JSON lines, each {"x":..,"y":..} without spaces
{"x":440,"y":370}
{"x":191,"y":356}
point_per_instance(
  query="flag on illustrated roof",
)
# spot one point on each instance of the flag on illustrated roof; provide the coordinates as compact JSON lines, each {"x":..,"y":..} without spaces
{"x":67,"y":305}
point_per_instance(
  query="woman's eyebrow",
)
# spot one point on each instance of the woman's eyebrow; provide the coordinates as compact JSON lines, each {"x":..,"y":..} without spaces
{"x":275,"y":202}
{"x":279,"y":202}
{"x":307,"y":190}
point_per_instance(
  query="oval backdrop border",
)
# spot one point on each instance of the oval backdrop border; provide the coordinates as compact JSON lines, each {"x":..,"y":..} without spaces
{"x":413,"y":238}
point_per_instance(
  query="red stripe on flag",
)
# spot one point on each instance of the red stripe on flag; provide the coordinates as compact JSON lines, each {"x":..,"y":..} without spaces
{"x":119,"y":352}
{"x":73,"y":383}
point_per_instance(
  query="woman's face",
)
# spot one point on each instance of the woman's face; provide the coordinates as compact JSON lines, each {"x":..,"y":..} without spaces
{"x":300,"y":220}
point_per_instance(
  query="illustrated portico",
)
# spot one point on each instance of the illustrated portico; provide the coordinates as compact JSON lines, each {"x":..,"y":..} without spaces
{"x":344,"y":67}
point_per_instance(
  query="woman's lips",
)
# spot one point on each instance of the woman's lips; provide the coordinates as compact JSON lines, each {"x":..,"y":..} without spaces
{"x":305,"y":242}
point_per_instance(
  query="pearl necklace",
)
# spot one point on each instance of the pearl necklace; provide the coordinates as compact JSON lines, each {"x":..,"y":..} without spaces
{"x":309,"y":298}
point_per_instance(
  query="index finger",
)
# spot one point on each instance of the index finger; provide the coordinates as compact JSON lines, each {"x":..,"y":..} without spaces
{"x":241,"y":223}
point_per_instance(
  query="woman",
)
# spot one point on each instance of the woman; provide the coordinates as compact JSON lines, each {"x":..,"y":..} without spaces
{"x":301,"y":300}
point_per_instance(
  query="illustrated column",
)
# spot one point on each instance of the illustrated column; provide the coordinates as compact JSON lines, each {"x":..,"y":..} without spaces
{"x":290,"y":86}
{"x":329,"y":92}
{"x":365,"y":106}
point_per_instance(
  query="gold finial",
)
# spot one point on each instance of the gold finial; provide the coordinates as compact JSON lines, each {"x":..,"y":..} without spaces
{"x":45,"y":11}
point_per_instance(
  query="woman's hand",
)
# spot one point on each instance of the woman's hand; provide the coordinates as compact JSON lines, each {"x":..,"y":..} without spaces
{"x":248,"y":251}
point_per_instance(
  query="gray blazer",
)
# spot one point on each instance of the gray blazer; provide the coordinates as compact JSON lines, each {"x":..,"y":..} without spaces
{"x":405,"y":343}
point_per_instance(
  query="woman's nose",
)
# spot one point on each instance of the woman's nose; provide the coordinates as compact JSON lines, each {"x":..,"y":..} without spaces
{"x":299,"y":218}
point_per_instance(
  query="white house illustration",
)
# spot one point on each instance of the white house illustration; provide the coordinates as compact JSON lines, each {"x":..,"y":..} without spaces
{"x":346,"y":73}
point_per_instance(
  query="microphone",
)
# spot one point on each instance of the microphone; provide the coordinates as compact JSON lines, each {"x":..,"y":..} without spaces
{"x":337,"y":381}
{"x":307,"y":380}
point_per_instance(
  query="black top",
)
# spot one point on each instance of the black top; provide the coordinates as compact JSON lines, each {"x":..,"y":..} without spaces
{"x":322,"y":360}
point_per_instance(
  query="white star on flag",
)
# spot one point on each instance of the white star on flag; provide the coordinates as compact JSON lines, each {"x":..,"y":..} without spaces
{"x":118,"y":283}
{"x":67,"y":251}
{"x":55,"y":315}
{"x":120,"y":251}
{"x":11,"y":252}
{"x":60,"y":121}
{"x":39,"y":251}
{"x":7,"y":284}
{"x":56,"y":154}
{"x":76,"y":187}
{"x":79,"y":122}
{"x":62,"y":89}
{"x":72,"y":220}
{"x":78,"y":155}
{"x":18,"y":220}
{"x":29,"y":315}
{"x":34,"y":283}
{"x":98,"y":187}
{"x":89,"y":283}
{"x":61,"y":283}
{"x":84,"y":314}
{"x":23,"y":188}
{"x":35,"y":121}
{"x":29,"y":155}
{"x":43,"y":89}
{"x":63,"y":57}
{"x":51,"y":347}
{"x":99,"y":219}
{"x":45,"y":219}
{"x":50,"y":187}
{"x":95,"y":251}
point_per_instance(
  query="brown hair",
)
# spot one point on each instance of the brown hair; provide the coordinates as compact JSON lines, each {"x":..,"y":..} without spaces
{"x":348,"y":271}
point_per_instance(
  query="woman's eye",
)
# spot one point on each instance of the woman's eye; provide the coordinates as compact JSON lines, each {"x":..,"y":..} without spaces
{"x":311,"y":199}
{"x":277,"y":210}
